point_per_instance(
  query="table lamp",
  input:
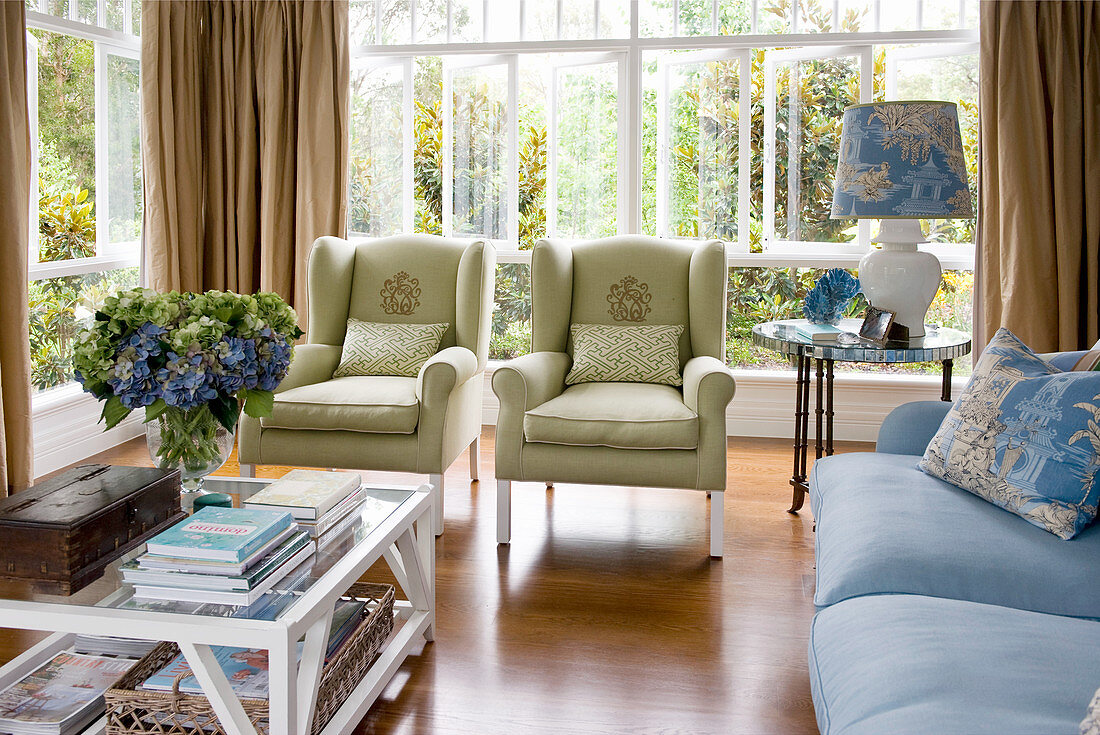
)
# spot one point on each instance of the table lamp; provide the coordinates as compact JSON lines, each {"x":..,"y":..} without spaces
{"x":901,"y":162}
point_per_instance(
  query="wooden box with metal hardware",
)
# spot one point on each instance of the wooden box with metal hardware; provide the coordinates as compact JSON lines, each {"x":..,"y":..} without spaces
{"x":60,"y":534}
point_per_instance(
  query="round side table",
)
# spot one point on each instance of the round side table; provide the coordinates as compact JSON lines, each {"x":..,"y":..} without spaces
{"x":941,"y":345}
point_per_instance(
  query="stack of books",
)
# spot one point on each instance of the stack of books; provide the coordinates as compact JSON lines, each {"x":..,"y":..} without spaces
{"x":219,"y":555}
{"x":60,"y":697}
{"x":319,"y":500}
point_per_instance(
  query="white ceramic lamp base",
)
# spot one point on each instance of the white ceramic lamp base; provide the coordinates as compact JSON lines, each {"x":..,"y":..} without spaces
{"x":899,"y":277}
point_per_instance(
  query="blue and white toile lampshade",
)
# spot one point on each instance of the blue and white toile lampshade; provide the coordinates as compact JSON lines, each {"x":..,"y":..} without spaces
{"x":900,"y":162}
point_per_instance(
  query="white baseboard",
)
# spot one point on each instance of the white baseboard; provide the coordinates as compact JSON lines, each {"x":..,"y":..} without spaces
{"x":764,"y":402}
{"x":66,"y":429}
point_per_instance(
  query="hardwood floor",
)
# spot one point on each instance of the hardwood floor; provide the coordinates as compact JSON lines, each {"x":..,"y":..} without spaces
{"x":605,"y":614}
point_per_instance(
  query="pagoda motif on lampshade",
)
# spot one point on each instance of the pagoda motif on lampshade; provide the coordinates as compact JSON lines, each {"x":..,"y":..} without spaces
{"x":901,"y":160}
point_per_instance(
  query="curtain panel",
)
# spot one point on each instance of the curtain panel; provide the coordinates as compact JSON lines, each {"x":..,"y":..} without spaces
{"x":245,"y":141}
{"x":1039,"y":227}
{"x":16,"y":449}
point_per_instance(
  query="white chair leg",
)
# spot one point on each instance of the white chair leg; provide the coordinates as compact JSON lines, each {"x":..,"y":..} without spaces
{"x":475,"y":457}
{"x":717,"y":516}
{"x":436,"y":481}
{"x":248,"y":470}
{"x":504,"y":511}
{"x":549,"y":486}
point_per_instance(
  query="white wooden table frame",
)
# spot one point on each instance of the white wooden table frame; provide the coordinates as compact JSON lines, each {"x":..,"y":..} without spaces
{"x":405,"y":539}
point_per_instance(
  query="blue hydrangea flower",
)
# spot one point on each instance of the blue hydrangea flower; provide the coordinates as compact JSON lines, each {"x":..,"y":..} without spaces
{"x":132,"y":378}
{"x":187,"y":380}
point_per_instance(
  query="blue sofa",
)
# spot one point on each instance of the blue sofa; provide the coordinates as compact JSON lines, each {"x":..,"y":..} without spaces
{"x":939,"y":612}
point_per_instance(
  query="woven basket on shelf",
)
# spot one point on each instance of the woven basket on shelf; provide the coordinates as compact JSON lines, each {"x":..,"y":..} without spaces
{"x":135,"y":711}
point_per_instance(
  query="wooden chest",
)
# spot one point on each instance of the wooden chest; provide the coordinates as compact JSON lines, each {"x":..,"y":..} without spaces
{"x":62,"y":533}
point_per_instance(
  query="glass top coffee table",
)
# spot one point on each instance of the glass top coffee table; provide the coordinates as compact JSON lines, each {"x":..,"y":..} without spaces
{"x":393,"y":523}
{"x":940,"y":345}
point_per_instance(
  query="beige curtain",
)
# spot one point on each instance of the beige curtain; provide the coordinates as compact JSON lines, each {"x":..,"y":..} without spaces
{"x":245,"y":140}
{"x":16,"y":451}
{"x":1039,"y":243}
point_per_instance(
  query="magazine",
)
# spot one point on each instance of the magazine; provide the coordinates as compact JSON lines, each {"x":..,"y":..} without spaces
{"x":62,"y":695}
{"x":221,"y":534}
{"x":246,"y":669}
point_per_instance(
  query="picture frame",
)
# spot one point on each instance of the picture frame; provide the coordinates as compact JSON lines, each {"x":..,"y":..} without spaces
{"x":876,"y":325}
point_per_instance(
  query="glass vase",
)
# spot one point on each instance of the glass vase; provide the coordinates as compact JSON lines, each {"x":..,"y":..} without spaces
{"x":191,"y":440}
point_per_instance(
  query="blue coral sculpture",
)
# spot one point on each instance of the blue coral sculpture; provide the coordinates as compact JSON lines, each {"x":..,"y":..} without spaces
{"x":825,"y":304}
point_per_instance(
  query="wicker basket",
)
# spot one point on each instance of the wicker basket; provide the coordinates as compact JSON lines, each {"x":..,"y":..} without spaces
{"x":135,"y":711}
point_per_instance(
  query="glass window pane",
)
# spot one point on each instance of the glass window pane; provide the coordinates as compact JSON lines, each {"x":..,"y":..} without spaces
{"x":937,"y":14}
{"x":377,"y":160}
{"x":586,"y":152}
{"x":135,"y":15}
{"x":86,"y":11}
{"x":856,"y":16}
{"x":541,"y":22}
{"x":578,"y":19}
{"x":696,"y":17}
{"x":614,"y":18}
{"x":361,"y":22}
{"x":898,"y":15}
{"x":115,"y":14}
{"x":467,"y":21}
{"x":734,"y":17}
{"x":431,"y":21}
{"x":481,"y":152}
{"x":773,"y":17}
{"x":954,"y":79}
{"x":655,"y":19}
{"x":503,"y":20}
{"x":701,"y":197}
{"x":511,"y":335}
{"x":124,"y":195}
{"x":428,"y":145}
{"x":59,"y":307}
{"x":810,"y":97}
{"x":66,"y":147}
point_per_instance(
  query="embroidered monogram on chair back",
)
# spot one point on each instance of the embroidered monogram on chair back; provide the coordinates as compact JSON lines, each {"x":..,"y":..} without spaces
{"x":629,"y":299}
{"x":400,"y":294}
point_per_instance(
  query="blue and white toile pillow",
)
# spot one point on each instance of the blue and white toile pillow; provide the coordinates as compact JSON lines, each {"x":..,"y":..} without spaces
{"x":1025,"y":436}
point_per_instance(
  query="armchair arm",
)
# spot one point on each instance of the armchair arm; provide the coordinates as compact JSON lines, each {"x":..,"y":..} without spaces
{"x":709,"y":377}
{"x":531,"y":380}
{"x":443,"y":371}
{"x":708,"y":389}
{"x":909,"y":427}
{"x":312,"y":363}
{"x":522,"y":384}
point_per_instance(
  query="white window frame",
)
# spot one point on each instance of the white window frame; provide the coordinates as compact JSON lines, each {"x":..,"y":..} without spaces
{"x":553,"y":76}
{"x":408,"y":142}
{"x":450,"y":66}
{"x":64,"y":417}
{"x":772,"y":59}
{"x":665,"y":64}
{"x":633,"y":48}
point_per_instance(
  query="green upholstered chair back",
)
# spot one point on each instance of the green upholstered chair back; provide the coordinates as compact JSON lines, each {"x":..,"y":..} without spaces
{"x":404,"y":279}
{"x":630,"y":280}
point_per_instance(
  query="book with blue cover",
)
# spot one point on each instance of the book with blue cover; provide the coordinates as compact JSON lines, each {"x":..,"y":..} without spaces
{"x":222,"y":534}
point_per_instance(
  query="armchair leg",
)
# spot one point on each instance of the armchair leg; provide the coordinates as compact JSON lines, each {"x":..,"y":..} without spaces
{"x":475,"y":458}
{"x":436,"y":481}
{"x":716,"y":523}
{"x":504,"y":511}
{"x":248,"y":470}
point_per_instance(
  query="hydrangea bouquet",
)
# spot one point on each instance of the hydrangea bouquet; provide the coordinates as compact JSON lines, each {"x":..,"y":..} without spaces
{"x":192,"y":362}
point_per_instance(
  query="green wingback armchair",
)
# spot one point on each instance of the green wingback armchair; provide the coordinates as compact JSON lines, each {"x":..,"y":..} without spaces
{"x":619,"y":433}
{"x":402,"y":424}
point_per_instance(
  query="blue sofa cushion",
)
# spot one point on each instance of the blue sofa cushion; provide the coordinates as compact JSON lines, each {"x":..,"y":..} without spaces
{"x":1025,"y":436}
{"x":884,"y":526}
{"x":903,"y":664}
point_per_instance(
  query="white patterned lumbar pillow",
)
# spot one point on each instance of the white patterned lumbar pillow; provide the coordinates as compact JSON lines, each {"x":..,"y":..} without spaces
{"x":603,"y":353}
{"x":1091,"y":724}
{"x":372,"y":348}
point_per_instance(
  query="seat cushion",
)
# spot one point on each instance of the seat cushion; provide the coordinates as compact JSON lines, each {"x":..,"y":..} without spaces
{"x":903,"y":664}
{"x":884,"y":526}
{"x":617,"y":415}
{"x":382,"y":404}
